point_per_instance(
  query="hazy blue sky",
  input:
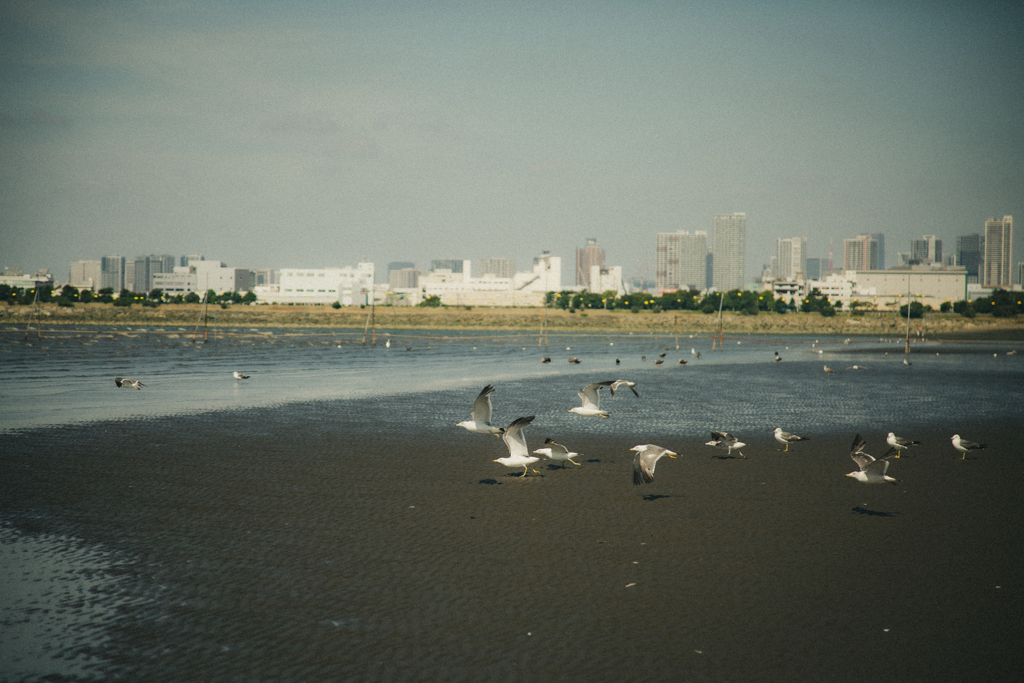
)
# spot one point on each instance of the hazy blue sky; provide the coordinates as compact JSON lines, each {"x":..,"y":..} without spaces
{"x":277,"y":134}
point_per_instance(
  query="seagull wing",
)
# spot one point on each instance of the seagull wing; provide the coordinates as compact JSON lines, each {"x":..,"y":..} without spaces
{"x":858,"y":445}
{"x":879,"y":467}
{"x":556,"y":448}
{"x":863,"y":460}
{"x":620,"y":382}
{"x":118,"y":381}
{"x":643,"y":465}
{"x":589,"y":395}
{"x":482,"y":406}
{"x":723,"y":436}
{"x":515,"y":439}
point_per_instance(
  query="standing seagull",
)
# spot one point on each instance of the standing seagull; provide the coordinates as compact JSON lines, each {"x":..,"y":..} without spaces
{"x":963,"y":446}
{"x":829,"y":371}
{"x":128,"y":383}
{"x":556,"y":451}
{"x":898,"y":443}
{"x":518,"y":452}
{"x":871,"y":471}
{"x":787,"y":438}
{"x":645,"y":460}
{"x":727,"y":441}
{"x":591,"y":400}
{"x":239,"y":375}
{"x":481,"y":422}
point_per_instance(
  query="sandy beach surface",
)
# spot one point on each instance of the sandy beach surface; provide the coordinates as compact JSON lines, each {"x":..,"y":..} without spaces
{"x":371,"y":540}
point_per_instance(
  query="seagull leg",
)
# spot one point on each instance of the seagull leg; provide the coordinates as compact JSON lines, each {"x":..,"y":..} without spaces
{"x":525,"y":467}
{"x":573,"y":462}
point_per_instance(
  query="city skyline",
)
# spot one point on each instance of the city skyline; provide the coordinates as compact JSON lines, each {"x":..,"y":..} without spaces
{"x":340,"y":133}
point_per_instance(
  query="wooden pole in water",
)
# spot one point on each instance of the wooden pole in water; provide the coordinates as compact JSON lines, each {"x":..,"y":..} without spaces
{"x":543,"y":320}
{"x":676,"y":329}
{"x":906,"y":344}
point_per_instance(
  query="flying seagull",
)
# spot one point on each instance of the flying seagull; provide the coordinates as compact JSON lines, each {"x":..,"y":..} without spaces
{"x":591,"y":400}
{"x":645,"y":460}
{"x":898,"y":443}
{"x":787,"y":438}
{"x":556,"y":451}
{"x":963,"y":445}
{"x":239,"y":375}
{"x":727,"y":441}
{"x":481,"y":422}
{"x":128,"y":383}
{"x":870,"y":471}
{"x":518,"y":452}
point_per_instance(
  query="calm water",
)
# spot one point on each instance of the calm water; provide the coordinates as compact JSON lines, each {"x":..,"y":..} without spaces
{"x":131,"y":547}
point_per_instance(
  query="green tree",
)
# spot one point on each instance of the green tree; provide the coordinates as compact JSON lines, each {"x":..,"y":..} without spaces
{"x":192,"y":298}
{"x":431,"y":302}
{"x":250,"y":298}
{"x":156,"y":294}
{"x":916,"y":310}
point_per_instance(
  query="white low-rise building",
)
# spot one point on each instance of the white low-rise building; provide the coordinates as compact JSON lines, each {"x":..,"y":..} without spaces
{"x":461,"y":289}
{"x":604,"y":279}
{"x":348,"y":286}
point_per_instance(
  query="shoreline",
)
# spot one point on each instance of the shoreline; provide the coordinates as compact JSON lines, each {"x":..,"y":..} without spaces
{"x":510,"y":319}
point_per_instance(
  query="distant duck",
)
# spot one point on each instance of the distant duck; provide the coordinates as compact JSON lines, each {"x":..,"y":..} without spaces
{"x":575,"y":360}
{"x":661,"y":355}
{"x":778,"y":358}
{"x":617,"y":361}
{"x":907,"y":362}
{"x":829,"y":371}
{"x":658,"y":362}
{"x":128,"y":383}
{"x":545,"y":359}
{"x":698,"y":354}
{"x":238,"y":375}
{"x":682,"y":361}
{"x":643,"y":357}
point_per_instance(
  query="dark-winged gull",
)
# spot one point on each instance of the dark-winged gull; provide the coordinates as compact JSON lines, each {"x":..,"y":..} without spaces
{"x":591,"y":399}
{"x":963,"y":445}
{"x":556,"y":451}
{"x":128,"y":383}
{"x":871,"y":471}
{"x":645,"y":460}
{"x":898,"y":443}
{"x":787,"y":438}
{"x":727,"y":441}
{"x":518,"y":452}
{"x":238,"y":375}
{"x":481,"y":422}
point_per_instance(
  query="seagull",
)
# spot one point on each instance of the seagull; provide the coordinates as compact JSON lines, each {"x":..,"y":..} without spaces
{"x":592,"y":401}
{"x":871,"y":471}
{"x":898,"y":443}
{"x":387,"y":344}
{"x":857,"y":367}
{"x":907,"y":362}
{"x":556,"y":451}
{"x":693,"y":351}
{"x":963,"y":446}
{"x":829,"y":371}
{"x":645,"y":460}
{"x":239,"y":375}
{"x":518,"y":453}
{"x":787,"y":438}
{"x":727,"y":441}
{"x":128,"y":383}
{"x":481,"y":422}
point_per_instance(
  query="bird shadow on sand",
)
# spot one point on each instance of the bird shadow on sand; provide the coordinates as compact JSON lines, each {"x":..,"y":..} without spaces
{"x":656,"y":496}
{"x":874,"y":513}
{"x":727,"y":457}
{"x":490,"y":481}
{"x":594,"y":460}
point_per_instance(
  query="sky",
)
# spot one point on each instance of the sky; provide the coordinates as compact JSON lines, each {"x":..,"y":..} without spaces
{"x":317,"y":134}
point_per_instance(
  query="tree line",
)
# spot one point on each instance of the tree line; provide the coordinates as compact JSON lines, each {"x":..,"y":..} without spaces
{"x":68,"y":296}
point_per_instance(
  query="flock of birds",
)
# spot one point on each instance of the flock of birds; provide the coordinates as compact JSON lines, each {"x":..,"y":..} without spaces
{"x":870,"y":470}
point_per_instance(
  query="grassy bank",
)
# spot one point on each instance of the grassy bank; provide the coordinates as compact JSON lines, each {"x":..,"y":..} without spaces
{"x":510,"y":319}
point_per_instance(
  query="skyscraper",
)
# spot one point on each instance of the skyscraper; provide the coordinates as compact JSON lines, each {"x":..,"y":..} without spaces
{"x":880,"y":238}
{"x":681,"y":261}
{"x":928,"y":249}
{"x":498,"y":267}
{"x":970,"y":253}
{"x":590,"y":255}
{"x":998,"y":252}
{"x":860,"y":253}
{"x":112,"y":273}
{"x":453,"y":265}
{"x":730,"y":251}
{"x":791,"y":259}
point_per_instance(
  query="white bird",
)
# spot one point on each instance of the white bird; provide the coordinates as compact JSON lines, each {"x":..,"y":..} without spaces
{"x":787,"y":438}
{"x":387,"y":344}
{"x":591,"y":400}
{"x":898,"y":443}
{"x":481,"y":422}
{"x":518,"y":452}
{"x":857,"y":367}
{"x":963,"y":445}
{"x":693,"y":351}
{"x":871,"y":471}
{"x":556,"y":451}
{"x":645,"y":460}
{"x":727,"y":441}
{"x":829,"y":371}
{"x":238,"y":375}
{"x":128,"y":383}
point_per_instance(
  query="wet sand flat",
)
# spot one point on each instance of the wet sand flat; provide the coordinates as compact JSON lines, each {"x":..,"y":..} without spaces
{"x":324,"y":541}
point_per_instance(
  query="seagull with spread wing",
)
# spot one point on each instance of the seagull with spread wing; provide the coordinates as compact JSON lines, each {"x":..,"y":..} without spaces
{"x":871,"y":471}
{"x":481,"y":422}
{"x":518,"y":452}
{"x":645,"y":460}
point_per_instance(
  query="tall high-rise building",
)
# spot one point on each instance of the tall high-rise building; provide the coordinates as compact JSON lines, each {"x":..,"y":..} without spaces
{"x":927,"y":249}
{"x":590,"y":255}
{"x":880,"y":238}
{"x":998,"y":252}
{"x":970,"y":253}
{"x":813,"y":269}
{"x":453,"y":265}
{"x":860,"y":253}
{"x":86,"y":274}
{"x":681,"y":261}
{"x":187,"y":260}
{"x":112,"y":273}
{"x":730,"y":240}
{"x":791,"y":259}
{"x":498,"y":267}
{"x":400,"y":265}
